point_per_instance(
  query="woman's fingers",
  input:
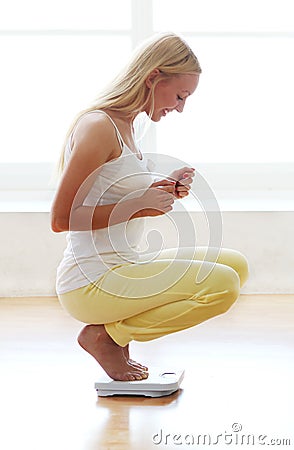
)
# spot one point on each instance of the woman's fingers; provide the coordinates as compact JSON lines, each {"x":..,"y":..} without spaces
{"x":187,"y":179}
{"x":165,"y":185}
{"x":169,"y":189}
{"x":182,"y":193}
{"x":163,"y":182}
{"x":178,"y":189}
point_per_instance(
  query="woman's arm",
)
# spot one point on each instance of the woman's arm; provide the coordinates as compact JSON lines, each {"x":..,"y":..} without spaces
{"x":94,"y":143}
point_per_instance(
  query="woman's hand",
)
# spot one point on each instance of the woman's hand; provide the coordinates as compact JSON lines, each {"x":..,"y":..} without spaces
{"x":166,"y":185}
{"x":184,"y":179}
{"x":158,"y":198}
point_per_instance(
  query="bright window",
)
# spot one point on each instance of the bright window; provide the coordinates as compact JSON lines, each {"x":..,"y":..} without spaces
{"x":76,"y":15}
{"x":50,"y":78}
{"x":57,"y":55}
{"x":233,"y":16}
{"x":242,"y":109}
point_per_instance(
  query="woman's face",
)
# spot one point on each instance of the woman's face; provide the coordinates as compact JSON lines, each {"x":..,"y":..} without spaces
{"x":171,"y":94}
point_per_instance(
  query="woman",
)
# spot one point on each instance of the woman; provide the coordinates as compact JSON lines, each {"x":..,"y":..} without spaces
{"x":105,"y":193}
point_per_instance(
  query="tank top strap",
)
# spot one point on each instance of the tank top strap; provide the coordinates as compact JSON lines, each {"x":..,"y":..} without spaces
{"x":120,"y":139}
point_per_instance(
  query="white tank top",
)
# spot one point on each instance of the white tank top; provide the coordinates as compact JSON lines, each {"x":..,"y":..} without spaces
{"x":91,"y":253}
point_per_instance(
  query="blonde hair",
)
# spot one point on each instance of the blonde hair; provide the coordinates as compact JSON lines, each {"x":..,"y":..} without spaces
{"x":128,"y":92}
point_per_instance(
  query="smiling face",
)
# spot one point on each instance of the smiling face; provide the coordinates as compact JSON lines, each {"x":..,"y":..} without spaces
{"x":171,"y":94}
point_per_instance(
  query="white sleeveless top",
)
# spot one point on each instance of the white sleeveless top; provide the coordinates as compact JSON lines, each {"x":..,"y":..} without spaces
{"x":89,"y":254}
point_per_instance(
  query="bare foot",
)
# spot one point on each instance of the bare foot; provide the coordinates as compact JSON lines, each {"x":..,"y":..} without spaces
{"x":96,"y":341}
{"x":133,"y":363}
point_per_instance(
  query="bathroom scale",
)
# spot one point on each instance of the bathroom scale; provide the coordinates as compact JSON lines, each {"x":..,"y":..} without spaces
{"x":158,"y":384}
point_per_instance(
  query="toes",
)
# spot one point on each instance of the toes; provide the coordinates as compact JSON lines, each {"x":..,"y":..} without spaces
{"x":137,"y":376}
{"x":136,"y":364}
{"x":132,"y":377}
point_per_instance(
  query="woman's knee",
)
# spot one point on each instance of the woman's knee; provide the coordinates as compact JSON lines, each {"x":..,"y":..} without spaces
{"x":231,"y":282}
{"x":242,"y":267}
{"x":237,"y":261}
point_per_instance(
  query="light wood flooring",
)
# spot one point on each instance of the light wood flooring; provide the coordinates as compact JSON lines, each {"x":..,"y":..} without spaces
{"x":239,"y":374}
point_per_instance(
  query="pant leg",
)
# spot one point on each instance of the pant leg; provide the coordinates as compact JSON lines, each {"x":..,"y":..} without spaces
{"x":150,"y":300}
{"x":229,"y":257}
{"x":182,"y":305}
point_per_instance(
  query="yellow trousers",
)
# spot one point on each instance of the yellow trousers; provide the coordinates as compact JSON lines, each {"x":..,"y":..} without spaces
{"x":165,"y":293}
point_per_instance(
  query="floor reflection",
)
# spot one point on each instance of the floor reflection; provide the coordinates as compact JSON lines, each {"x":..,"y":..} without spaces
{"x":129,"y":421}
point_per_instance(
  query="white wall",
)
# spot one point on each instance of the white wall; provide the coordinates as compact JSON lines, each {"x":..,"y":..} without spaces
{"x":30,"y":251}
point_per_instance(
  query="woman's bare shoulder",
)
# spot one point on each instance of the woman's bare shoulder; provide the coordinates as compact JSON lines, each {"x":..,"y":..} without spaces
{"x":94,"y":131}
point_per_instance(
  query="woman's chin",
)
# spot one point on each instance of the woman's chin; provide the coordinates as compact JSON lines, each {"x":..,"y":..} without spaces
{"x":156,"y":116}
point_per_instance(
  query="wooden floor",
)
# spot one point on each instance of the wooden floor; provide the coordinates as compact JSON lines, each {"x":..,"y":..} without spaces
{"x":239,"y":374}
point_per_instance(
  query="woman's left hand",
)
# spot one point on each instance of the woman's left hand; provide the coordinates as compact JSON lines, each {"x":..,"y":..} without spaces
{"x":184,"y":179}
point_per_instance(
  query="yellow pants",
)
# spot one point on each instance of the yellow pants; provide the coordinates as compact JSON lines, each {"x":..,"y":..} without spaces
{"x":144,"y":301}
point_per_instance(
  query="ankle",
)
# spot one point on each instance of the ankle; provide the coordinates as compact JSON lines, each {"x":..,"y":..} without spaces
{"x":95,"y":334}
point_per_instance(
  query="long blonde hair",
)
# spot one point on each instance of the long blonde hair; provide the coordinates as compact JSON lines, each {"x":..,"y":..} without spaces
{"x":128,"y":92}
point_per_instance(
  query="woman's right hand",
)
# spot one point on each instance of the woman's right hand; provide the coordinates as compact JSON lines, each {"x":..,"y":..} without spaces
{"x":158,"y":198}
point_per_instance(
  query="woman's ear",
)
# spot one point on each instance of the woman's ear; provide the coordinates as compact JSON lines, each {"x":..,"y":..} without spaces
{"x":151,"y":77}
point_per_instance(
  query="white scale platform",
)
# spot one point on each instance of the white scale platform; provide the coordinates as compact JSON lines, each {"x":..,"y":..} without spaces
{"x":158,"y":384}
